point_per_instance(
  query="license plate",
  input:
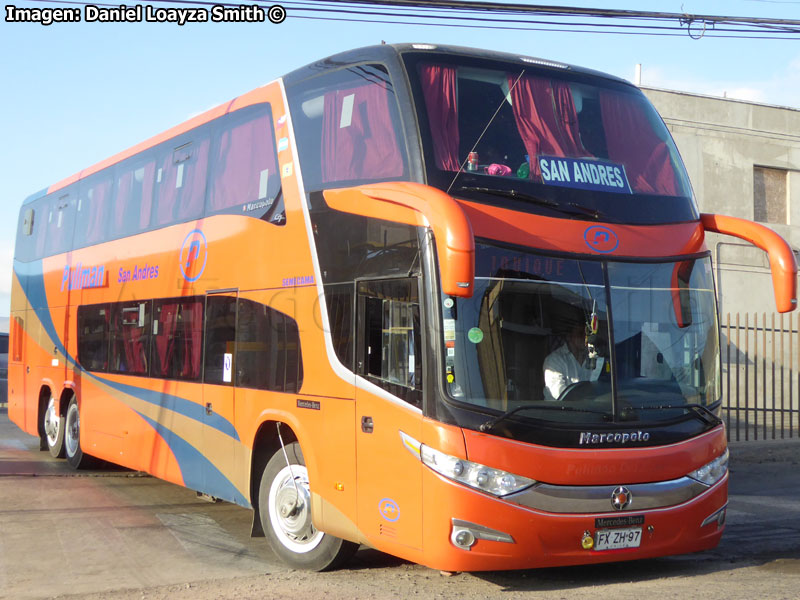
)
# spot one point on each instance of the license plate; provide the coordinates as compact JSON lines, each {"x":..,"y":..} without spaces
{"x":613,"y":539}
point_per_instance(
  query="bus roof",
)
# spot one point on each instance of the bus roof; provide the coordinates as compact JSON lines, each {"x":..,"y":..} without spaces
{"x":253,"y":97}
{"x":393,"y":51}
{"x":382,"y":52}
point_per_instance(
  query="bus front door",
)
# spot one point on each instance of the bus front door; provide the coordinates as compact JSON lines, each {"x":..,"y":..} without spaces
{"x":388,"y":401}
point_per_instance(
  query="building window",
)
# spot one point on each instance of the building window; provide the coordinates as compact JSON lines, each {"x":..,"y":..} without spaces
{"x":769,"y":195}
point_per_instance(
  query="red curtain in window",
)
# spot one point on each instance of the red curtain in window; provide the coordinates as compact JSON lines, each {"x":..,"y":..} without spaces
{"x":165,"y":340}
{"x":242,"y":155}
{"x":546,"y":118}
{"x":124,"y":193}
{"x":147,"y":195}
{"x":184,"y":201}
{"x":439,"y":88}
{"x":135,"y":356}
{"x":192,"y":315}
{"x":358,"y":137}
{"x":631,"y":141}
{"x":97,"y":210}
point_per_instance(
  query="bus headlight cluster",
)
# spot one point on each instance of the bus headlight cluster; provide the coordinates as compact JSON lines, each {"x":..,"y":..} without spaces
{"x":480,"y":477}
{"x":712,"y":472}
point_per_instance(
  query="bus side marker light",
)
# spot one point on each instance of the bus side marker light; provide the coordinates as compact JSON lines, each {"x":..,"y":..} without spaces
{"x":339,"y":487}
{"x":587,"y":541}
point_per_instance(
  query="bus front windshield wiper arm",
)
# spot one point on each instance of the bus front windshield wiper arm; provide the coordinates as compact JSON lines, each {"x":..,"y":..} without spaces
{"x":698,"y":410}
{"x":488,"y":425}
{"x":569,"y":208}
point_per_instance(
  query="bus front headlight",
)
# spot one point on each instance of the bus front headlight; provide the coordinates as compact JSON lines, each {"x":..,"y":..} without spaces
{"x":480,"y":477}
{"x":712,"y":472}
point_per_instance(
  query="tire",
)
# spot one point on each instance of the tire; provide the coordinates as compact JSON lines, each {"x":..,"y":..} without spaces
{"x":287,"y":525}
{"x":72,"y":438}
{"x":53,"y":428}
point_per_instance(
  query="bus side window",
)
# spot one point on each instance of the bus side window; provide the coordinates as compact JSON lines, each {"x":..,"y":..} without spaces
{"x":244,"y":167}
{"x":390,"y":348}
{"x":54,"y":230}
{"x":93,"y":329}
{"x":181,"y":183}
{"x":130,"y":337}
{"x":347,"y":127}
{"x":94,"y":200}
{"x":268,"y":353}
{"x":177,"y":332}
{"x":133,"y":199}
{"x":220,"y":340}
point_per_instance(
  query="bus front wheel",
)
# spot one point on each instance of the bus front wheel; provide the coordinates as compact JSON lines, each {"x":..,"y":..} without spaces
{"x":284,"y":502}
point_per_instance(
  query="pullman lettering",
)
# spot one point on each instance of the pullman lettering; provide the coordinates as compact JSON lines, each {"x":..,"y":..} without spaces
{"x":80,"y":277}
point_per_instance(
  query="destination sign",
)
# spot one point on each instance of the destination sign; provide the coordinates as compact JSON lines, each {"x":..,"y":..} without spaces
{"x":585,"y":174}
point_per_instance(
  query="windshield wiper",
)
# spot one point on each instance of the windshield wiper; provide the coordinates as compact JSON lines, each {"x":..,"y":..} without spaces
{"x":698,"y":410}
{"x":488,"y":425}
{"x":568,"y":208}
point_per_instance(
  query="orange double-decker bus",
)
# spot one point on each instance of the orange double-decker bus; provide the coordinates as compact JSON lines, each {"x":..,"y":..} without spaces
{"x":451,"y":304}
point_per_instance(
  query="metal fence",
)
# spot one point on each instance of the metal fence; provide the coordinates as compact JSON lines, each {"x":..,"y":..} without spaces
{"x":760,"y":383}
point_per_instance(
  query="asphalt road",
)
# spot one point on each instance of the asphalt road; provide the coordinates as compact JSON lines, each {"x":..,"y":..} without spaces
{"x":116,"y":534}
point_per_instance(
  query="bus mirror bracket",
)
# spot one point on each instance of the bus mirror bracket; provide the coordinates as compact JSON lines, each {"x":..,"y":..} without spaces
{"x":782,"y":262}
{"x":425,"y":206}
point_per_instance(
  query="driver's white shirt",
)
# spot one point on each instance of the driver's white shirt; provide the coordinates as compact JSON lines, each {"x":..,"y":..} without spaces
{"x":561,"y":369}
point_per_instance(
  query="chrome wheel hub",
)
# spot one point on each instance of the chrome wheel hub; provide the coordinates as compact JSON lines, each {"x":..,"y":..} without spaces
{"x":52,"y":422}
{"x":72,"y":431}
{"x":290,"y":510}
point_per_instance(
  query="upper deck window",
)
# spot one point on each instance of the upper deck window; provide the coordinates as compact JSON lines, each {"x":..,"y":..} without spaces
{"x":347,"y":128}
{"x":547,"y":137}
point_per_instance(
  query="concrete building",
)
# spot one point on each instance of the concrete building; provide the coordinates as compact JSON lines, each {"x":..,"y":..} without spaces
{"x":743,"y":159}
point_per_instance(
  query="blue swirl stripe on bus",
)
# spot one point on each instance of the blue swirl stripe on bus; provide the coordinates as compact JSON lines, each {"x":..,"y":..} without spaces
{"x":197,"y":471}
{"x":37,"y":296}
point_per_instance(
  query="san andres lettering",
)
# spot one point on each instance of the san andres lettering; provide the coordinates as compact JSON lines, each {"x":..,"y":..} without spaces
{"x":138,"y":273}
{"x":588,"y":174}
{"x":80,"y":277}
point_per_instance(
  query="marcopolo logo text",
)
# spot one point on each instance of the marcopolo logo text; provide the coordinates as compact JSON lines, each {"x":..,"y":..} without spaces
{"x":589,"y":438}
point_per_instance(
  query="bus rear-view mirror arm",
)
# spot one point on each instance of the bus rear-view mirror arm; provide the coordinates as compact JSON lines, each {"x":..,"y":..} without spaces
{"x":420,"y":205}
{"x":782,"y":261}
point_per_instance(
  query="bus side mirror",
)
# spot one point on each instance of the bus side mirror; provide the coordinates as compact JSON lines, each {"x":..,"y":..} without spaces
{"x":782,"y":262}
{"x":420,"y":205}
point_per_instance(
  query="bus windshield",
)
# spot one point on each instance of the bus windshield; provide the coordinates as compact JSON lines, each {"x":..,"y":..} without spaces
{"x":519,"y":134}
{"x":550,"y":334}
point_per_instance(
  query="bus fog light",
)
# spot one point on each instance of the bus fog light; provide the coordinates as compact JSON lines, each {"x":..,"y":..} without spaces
{"x":464,"y":534}
{"x":717,"y":517}
{"x":463,"y":538}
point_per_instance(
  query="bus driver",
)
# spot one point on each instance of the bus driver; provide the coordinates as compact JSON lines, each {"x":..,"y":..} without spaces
{"x":569,"y":363}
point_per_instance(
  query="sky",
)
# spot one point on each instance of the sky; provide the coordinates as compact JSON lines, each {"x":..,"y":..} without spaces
{"x":72,"y":94}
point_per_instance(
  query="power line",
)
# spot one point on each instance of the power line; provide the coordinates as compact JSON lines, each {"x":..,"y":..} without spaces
{"x":519,"y":17}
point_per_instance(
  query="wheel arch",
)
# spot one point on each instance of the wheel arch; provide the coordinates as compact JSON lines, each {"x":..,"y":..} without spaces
{"x":266,"y":443}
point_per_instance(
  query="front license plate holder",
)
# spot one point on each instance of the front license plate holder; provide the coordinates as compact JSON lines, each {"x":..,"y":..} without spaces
{"x":616,"y":539}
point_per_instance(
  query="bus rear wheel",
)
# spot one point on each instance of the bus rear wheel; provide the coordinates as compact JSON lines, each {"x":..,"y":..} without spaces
{"x":53,"y":426}
{"x":284,"y":502}
{"x":72,"y":438}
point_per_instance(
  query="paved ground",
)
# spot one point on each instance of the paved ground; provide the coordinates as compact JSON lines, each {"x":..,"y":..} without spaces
{"x":116,"y":534}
